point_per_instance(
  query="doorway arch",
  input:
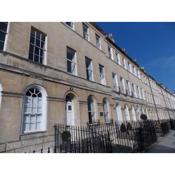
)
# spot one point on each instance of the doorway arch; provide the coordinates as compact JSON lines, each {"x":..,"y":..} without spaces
{"x":71,"y":109}
{"x":118,"y":111}
{"x":92,"y":109}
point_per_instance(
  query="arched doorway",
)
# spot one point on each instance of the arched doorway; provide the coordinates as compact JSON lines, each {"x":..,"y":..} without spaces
{"x":118,"y":111}
{"x":92,"y":109}
{"x":138,"y":113}
{"x":106,"y":110}
{"x":133,"y":114}
{"x":126,"y":113}
{"x":70,"y":109}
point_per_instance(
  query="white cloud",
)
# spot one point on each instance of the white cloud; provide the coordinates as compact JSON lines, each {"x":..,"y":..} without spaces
{"x":163,"y":63}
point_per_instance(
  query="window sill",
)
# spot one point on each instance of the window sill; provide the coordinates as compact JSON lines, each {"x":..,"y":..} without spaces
{"x":33,"y":132}
{"x":31,"y":135}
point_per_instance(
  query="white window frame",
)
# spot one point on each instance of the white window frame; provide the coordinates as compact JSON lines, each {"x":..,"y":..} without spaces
{"x":98,"y":45}
{"x":102,"y":75}
{"x":111,"y":50}
{"x":44,"y":49}
{"x":6,"y":37}
{"x":90,"y":68}
{"x":87,"y":35}
{"x":138,"y":72}
{"x":143,"y":92}
{"x":115,"y":81}
{"x":43,"y":110}
{"x":140,"y":95}
{"x":106,"y":110}
{"x":126,"y":113}
{"x":124,"y":86}
{"x":119,"y":117}
{"x":133,"y":70}
{"x":130,"y":67}
{"x":93,"y":107}
{"x":119,"y":59}
{"x":73,"y":61}
{"x":129,"y":86}
{"x":124,"y":62}
{"x":135,"y":91}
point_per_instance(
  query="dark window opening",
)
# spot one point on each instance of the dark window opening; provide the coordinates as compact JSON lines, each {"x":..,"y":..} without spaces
{"x":3,"y":32}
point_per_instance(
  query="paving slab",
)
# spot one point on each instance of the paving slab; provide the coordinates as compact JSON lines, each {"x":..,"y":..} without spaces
{"x":165,"y":144}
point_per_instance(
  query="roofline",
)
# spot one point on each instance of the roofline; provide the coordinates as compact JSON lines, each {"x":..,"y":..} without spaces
{"x":130,"y":58}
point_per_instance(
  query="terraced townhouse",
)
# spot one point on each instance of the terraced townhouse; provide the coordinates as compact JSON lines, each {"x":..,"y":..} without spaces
{"x":71,"y":73}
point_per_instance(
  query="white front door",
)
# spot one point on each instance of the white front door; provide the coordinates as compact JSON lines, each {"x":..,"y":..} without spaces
{"x":70,"y":113}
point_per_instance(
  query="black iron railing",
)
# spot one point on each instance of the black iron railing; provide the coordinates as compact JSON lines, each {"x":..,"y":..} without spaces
{"x":110,"y":137}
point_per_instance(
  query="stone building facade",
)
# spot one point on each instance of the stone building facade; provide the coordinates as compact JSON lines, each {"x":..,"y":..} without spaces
{"x":69,"y":73}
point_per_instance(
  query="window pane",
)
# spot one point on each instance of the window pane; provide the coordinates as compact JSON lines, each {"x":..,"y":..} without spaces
{"x":3,"y":31}
{"x":42,"y":44}
{"x":37,"y":43}
{"x":3,"y":26}
{"x":32,"y":39}
{"x":38,"y":34}
{"x":70,"y":54}
{"x":33,"y":110}
{"x":33,"y":119}
{"x":38,"y":126}
{"x":97,"y":41}
{"x":69,"y":69}
{"x":33,"y":127}
{"x":2,"y":36}
{"x":1,"y":45}
{"x":39,"y":118}
{"x":30,"y":56}
{"x":27,"y":127}
{"x":69,"y":24}
{"x":27,"y":119}
{"x":36,"y":58}
{"x":71,"y":62}
{"x":88,"y":62}
{"x":41,"y":53}
{"x":36,"y":50}
{"x":85,"y":31}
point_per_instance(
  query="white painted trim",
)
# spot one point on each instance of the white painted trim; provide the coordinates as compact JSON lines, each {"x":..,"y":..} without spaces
{"x":133,"y":114}
{"x":119,"y":118}
{"x":92,"y":70}
{"x":45,"y":51}
{"x":127,"y":116}
{"x":44,"y":109}
{"x":6,"y":37}
{"x":107,"y":105}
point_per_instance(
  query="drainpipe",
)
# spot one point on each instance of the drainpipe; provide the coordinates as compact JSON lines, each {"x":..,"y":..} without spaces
{"x":154,"y":100}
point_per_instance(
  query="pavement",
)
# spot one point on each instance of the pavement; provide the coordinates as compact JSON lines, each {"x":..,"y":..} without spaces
{"x":165,"y":144}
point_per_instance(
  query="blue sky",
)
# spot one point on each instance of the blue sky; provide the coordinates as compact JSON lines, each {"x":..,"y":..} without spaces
{"x":151,"y":44}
